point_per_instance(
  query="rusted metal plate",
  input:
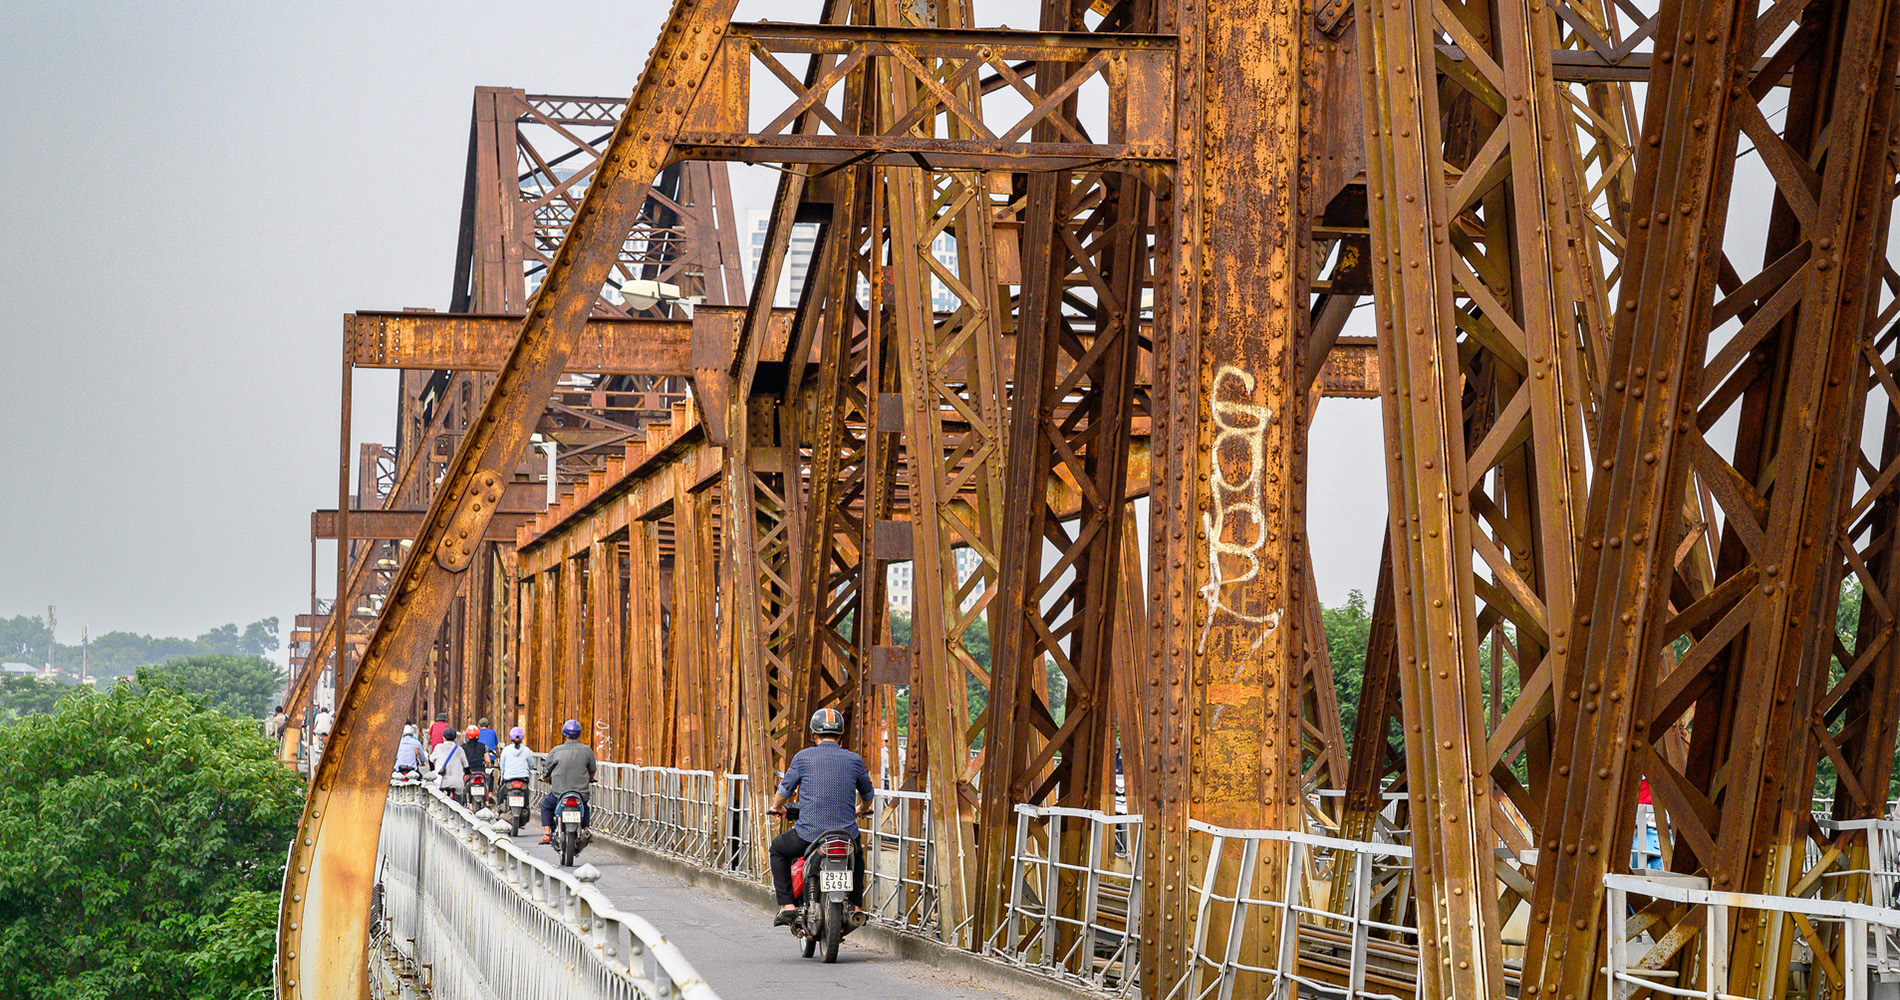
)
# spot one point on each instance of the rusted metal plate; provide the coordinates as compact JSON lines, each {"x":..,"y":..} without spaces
{"x":890,"y":665}
{"x":452,"y":342}
{"x":393,"y":525}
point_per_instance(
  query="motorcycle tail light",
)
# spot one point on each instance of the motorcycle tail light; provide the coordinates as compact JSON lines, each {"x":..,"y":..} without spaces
{"x":571,"y":802}
{"x":837,"y":849}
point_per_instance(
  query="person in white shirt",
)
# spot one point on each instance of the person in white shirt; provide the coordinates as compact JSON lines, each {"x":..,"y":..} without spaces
{"x":450,"y":765}
{"x":517,"y":761}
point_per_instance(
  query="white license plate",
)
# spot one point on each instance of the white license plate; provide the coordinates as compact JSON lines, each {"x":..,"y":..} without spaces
{"x":571,"y":816}
{"x":517,"y":801}
{"x":830,"y":881}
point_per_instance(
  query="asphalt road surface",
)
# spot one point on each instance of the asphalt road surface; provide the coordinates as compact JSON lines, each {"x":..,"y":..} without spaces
{"x":733,"y":944}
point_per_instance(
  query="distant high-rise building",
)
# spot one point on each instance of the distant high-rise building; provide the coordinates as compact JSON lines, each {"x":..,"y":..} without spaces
{"x":944,"y":248}
{"x":804,"y":246}
{"x":898,"y":581}
{"x":797,"y":261}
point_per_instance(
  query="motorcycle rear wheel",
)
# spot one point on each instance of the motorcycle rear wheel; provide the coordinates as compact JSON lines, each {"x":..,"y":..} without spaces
{"x":834,"y":929}
{"x":568,"y":840}
{"x":811,"y":933}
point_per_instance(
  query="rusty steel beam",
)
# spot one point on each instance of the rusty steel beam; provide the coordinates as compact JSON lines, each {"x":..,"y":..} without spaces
{"x":475,"y":343}
{"x":1075,"y":403}
{"x":395,"y":525}
{"x":323,"y":936}
{"x":1484,"y":295}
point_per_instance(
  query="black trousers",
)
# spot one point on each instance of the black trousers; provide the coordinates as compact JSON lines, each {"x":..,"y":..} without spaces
{"x":788,"y":847}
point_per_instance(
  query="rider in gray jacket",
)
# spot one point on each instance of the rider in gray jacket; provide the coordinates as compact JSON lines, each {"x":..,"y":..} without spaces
{"x":567,"y":768}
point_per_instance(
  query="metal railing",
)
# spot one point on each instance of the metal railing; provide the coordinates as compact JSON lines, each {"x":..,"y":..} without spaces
{"x":1875,"y":856}
{"x":1074,"y":897}
{"x":1255,"y":936}
{"x":899,"y":864}
{"x":666,"y":810}
{"x":735,"y":838}
{"x":482,"y":918}
{"x":1842,"y":937}
{"x":679,"y":813}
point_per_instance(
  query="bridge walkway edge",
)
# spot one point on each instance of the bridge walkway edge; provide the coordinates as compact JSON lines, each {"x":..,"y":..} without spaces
{"x":621,"y":881}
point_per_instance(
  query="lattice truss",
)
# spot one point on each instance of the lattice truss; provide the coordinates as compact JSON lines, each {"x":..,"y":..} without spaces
{"x":558,"y":144}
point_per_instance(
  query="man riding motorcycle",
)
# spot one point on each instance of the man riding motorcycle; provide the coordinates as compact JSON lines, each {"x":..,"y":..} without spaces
{"x":567,"y":768}
{"x":410,"y":756}
{"x":825,"y":775}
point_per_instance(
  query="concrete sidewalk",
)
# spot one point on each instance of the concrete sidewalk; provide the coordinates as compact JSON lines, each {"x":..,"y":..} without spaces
{"x":731,"y":942}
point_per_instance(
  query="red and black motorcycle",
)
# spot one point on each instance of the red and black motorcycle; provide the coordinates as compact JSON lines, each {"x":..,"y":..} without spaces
{"x":569,"y":835}
{"x":514,"y":803}
{"x":823,"y":882}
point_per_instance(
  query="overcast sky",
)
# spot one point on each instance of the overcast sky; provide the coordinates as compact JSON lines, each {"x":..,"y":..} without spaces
{"x":196,"y":195}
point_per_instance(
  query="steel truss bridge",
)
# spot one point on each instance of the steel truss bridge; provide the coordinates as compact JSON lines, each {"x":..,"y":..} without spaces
{"x":1635,"y":348}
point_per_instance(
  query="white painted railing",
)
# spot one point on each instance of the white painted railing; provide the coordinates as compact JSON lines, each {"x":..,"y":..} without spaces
{"x":480,"y":918}
{"x":899,"y":863}
{"x":1880,"y":862}
{"x":1231,"y":956}
{"x":1074,"y":897}
{"x":1843,"y":937}
{"x":735,"y":837}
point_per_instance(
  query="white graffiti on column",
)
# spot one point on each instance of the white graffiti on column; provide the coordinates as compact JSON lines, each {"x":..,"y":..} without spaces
{"x":1238,"y":506}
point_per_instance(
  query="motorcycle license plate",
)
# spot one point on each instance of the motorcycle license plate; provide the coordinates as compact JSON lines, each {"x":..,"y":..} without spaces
{"x":839,"y":881}
{"x":517,"y":801}
{"x":571,"y":816}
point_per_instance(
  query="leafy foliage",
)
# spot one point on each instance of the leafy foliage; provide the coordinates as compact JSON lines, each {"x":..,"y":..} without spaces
{"x":1347,"y":629}
{"x":29,"y":696}
{"x":240,"y":686}
{"x":141,"y":849}
{"x":976,"y":639}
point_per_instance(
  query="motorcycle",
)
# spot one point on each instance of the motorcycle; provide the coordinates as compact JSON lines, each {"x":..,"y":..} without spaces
{"x":822,"y":883}
{"x":476,"y":792}
{"x":515,"y":799}
{"x":569,"y":835}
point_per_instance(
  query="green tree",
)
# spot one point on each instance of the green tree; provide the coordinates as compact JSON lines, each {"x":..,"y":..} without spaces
{"x":23,"y":640}
{"x":22,"y":696}
{"x":140,"y":851}
{"x":259,"y":638}
{"x":1347,"y":629}
{"x":1846,"y":627}
{"x":240,"y":686}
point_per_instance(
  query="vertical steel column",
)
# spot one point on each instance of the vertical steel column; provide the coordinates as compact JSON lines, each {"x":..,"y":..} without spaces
{"x":762,"y":519}
{"x":951,"y":380}
{"x":1474,"y":233}
{"x":1231,"y":302}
